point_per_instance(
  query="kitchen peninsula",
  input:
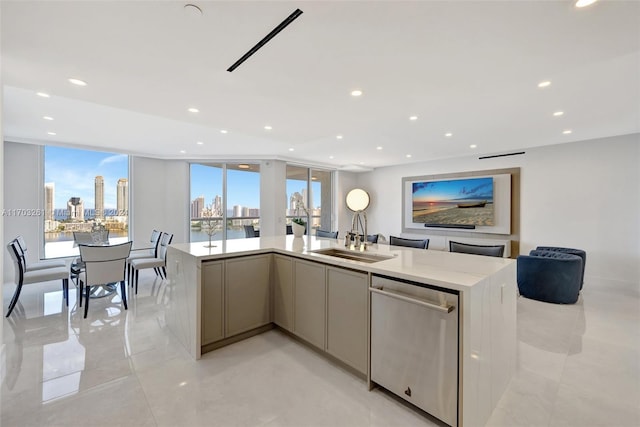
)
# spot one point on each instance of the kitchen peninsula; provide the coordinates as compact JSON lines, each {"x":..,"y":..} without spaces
{"x":242,"y":287}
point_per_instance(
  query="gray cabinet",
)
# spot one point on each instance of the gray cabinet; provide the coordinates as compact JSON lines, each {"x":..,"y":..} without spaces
{"x":310,"y":302}
{"x":212,"y":301}
{"x":283,"y":292}
{"x":347,"y":293}
{"x":247,"y":293}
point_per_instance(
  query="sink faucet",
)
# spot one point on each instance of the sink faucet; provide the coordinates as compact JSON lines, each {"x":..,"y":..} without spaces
{"x":356,"y":226}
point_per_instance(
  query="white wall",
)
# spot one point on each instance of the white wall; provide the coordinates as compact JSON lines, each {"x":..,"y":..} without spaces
{"x":159,"y":198}
{"x":22,"y":174}
{"x":344,"y":182}
{"x":273,"y":197}
{"x":584,"y":194}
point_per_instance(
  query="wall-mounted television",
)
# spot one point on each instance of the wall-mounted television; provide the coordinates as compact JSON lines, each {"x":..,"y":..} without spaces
{"x":456,"y":202}
{"x":480,"y":204}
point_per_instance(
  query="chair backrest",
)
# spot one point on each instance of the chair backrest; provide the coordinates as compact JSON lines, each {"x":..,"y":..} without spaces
{"x":21,"y":249}
{"x":409,"y":243}
{"x":466,"y":248}
{"x":22,"y":243}
{"x":289,"y":229}
{"x":100,"y":236}
{"x":155,"y":239}
{"x":18,"y":259}
{"x":329,"y":234}
{"x":165,"y":241}
{"x":105,"y":264}
{"x":372,"y":238}
{"x":249,"y":231}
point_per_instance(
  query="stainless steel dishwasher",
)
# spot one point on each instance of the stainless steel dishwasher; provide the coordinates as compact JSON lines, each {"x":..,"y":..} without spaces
{"x":414,"y":345}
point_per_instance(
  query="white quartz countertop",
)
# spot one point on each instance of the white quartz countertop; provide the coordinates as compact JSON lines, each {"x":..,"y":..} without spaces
{"x":434,"y":267}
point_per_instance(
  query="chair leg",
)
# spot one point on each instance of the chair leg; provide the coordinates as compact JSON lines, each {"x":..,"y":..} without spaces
{"x":65,"y":290}
{"x":80,"y":289}
{"x":14,"y":300}
{"x":157,"y":271}
{"x":135,"y":279}
{"x":164,"y":270}
{"x":86,"y":303}
{"x":123,"y":289}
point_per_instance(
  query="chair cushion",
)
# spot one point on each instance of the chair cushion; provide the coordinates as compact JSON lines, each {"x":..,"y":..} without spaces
{"x":142,"y":263}
{"x":45,"y":264}
{"x":147,"y":253}
{"x":45,"y":275}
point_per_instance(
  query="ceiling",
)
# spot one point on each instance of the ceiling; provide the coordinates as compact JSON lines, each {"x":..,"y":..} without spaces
{"x":469,"y":68}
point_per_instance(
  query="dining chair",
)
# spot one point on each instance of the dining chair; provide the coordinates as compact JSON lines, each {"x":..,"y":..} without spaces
{"x":24,"y":277}
{"x":249,"y":231}
{"x":329,"y":234}
{"x":103,"y":265}
{"x":146,"y":253}
{"x":466,"y":248}
{"x":372,"y":238}
{"x":409,"y":243}
{"x":158,"y":262}
{"x":36,"y":265}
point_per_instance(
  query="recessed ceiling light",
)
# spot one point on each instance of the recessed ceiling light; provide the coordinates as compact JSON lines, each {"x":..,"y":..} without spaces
{"x":290,"y":149}
{"x":408,"y":156}
{"x":200,"y":143}
{"x":413,"y":118}
{"x":473,"y":146}
{"x":362,"y":163}
{"x":223,"y":131}
{"x":448,"y":134}
{"x":193,"y":110}
{"x":267,"y":127}
{"x":558,"y":113}
{"x":183,"y":151}
{"x":331,"y":157}
{"x":378,"y":148}
{"x":243,"y":166}
{"x":42,"y":94}
{"x":567,"y":131}
{"x":544,"y":83}
{"x":585,"y":3}
{"x":339,"y":137}
{"x":47,"y":117}
{"x":356,"y":92}
{"x":77,"y":82}
{"x":51,"y":133}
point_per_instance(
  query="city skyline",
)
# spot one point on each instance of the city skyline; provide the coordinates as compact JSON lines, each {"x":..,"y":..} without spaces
{"x":73,"y":172}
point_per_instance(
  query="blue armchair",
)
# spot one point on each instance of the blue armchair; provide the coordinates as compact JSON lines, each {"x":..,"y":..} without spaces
{"x":579,"y":252}
{"x":550,"y":276}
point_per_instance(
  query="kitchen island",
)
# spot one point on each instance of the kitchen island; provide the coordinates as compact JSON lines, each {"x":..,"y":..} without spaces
{"x":242,"y":287}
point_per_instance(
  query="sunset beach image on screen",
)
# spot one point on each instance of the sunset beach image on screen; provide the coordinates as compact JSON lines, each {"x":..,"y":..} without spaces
{"x":453,"y":202}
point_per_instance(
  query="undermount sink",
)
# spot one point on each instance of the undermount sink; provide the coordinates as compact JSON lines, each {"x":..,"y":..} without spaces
{"x":352,"y":255}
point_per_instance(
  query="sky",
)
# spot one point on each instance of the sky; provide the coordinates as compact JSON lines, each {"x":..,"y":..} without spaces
{"x":74,"y":171}
{"x":474,"y":188}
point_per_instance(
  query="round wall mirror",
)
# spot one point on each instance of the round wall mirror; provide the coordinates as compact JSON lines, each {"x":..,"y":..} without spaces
{"x":357,"y":200}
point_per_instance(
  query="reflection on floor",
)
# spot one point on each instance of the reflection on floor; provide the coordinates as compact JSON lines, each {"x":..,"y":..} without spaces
{"x":577,"y":365}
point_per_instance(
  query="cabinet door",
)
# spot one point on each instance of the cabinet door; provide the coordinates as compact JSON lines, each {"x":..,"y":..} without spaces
{"x":247,"y":293}
{"x":283,"y":292}
{"x":309,"y":302}
{"x":212,"y":301}
{"x":347,"y":316}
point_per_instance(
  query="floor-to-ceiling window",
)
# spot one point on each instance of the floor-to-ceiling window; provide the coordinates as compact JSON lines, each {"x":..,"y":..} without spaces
{"x":83,"y":190}
{"x":225,"y":197}
{"x":313,"y":187}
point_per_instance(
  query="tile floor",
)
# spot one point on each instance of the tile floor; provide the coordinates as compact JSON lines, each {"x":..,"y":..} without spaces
{"x":578,"y":365}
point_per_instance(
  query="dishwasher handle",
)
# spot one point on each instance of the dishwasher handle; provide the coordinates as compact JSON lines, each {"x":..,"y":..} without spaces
{"x":412,"y":300}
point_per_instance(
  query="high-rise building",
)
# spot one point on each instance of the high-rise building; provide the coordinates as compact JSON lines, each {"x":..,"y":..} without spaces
{"x":99,"y":197}
{"x":197,"y":205}
{"x":217,"y":205}
{"x":49,"y":201}
{"x":237,"y":211}
{"x":122,"y":197}
{"x":75,"y":209}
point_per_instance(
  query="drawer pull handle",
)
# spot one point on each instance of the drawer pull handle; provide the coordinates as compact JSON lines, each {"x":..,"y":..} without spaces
{"x":412,"y":300}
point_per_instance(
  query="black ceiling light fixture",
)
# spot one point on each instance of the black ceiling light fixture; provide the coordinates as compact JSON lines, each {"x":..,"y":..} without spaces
{"x":268,"y":37}
{"x":493,"y":156}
